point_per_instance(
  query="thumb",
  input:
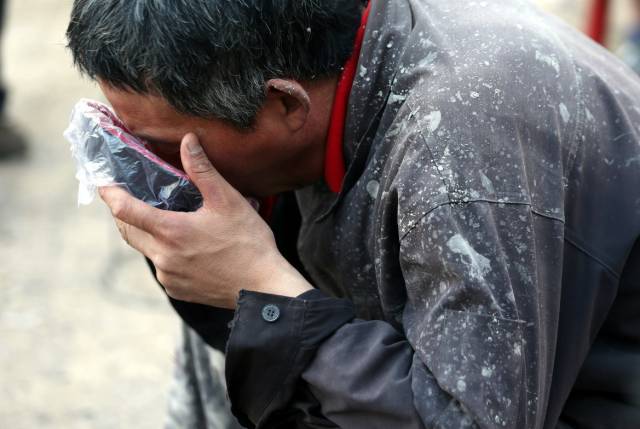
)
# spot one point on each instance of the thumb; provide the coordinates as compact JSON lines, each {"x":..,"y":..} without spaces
{"x":202,"y":173}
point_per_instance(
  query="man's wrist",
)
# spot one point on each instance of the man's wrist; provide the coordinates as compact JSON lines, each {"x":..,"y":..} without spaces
{"x":281,"y":278}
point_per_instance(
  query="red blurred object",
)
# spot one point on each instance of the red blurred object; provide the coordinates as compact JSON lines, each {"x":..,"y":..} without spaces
{"x":597,"y":29}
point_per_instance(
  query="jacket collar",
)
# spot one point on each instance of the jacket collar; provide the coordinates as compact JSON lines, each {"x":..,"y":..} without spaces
{"x":334,"y":159}
{"x":385,"y":36}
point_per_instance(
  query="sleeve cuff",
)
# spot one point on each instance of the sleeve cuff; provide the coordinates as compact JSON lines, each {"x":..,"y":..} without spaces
{"x":312,"y":295}
{"x":272,"y":341}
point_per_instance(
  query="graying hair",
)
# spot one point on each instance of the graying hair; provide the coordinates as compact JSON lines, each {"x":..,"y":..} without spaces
{"x":211,"y":58}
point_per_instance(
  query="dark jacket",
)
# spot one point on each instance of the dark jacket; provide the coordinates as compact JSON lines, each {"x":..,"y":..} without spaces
{"x":485,"y":242}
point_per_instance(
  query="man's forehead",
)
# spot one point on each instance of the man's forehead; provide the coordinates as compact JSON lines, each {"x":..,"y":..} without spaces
{"x":146,"y":116}
{"x":152,"y":118}
{"x":138,"y":110}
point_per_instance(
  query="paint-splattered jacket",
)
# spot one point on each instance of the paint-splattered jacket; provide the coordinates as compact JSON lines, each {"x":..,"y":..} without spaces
{"x":486,"y":238}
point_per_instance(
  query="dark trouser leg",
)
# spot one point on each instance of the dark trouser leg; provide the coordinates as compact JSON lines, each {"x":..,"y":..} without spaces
{"x":3,"y":90}
{"x":12,"y":142}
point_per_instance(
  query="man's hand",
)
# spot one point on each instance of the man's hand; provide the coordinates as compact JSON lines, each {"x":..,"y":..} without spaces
{"x":207,"y":256}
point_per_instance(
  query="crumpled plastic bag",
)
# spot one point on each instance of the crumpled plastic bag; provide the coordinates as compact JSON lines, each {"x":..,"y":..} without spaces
{"x":107,"y":154}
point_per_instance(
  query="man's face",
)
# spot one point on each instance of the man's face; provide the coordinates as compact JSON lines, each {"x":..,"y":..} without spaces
{"x":257,"y":163}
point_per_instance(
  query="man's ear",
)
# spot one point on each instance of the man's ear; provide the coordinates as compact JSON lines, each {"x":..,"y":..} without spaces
{"x":295,"y":101}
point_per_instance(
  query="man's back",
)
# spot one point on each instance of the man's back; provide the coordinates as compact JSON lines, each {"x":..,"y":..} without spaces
{"x":495,"y":154}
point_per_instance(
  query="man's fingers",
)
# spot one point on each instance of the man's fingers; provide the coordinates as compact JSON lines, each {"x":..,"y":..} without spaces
{"x":132,"y":211}
{"x":138,"y":239}
{"x":207,"y":179}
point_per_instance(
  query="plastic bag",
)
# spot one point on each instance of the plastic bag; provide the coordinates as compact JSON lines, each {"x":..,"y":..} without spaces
{"x":107,"y":154}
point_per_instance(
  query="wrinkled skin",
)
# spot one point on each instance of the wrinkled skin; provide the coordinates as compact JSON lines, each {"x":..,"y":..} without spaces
{"x":209,"y":256}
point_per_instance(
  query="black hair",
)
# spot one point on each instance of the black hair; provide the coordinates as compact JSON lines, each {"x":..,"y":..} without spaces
{"x":211,"y":58}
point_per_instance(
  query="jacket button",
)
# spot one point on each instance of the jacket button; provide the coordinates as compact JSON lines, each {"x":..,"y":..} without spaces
{"x":270,"y":313}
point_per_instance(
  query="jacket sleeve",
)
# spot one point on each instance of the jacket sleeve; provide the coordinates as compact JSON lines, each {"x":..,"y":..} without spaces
{"x":475,"y":347}
{"x":211,"y":323}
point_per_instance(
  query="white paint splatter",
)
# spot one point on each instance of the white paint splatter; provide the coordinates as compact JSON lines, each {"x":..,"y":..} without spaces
{"x":373,"y":188}
{"x":564,"y":112}
{"x":433,"y":120}
{"x":633,"y":160}
{"x":548,"y":60}
{"x":478,"y":265}
{"x":363,"y":71}
{"x":397,"y":129}
{"x":590,"y":117}
{"x":487,"y":372}
{"x":461,"y":385}
{"x":517,"y":349}
{"x":429,"y":60}
{"x":487,"y":184}
{"x":474,"y":94}
{"x":396,"y":98}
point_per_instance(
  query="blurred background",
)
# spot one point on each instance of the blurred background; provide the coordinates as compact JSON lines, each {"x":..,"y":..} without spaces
{"x":86,"y":339}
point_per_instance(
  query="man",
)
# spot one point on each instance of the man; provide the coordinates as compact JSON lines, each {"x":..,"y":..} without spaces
{"x":467,"y":177}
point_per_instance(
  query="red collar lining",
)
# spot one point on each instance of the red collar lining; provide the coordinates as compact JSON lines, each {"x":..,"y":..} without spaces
{"x":334,"y":165}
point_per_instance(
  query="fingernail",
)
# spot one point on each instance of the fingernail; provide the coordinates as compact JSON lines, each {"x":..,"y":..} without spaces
{"x":193,"y":146}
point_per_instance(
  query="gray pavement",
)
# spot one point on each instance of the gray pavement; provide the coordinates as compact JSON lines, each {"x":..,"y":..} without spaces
{"x":86,"y":339}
